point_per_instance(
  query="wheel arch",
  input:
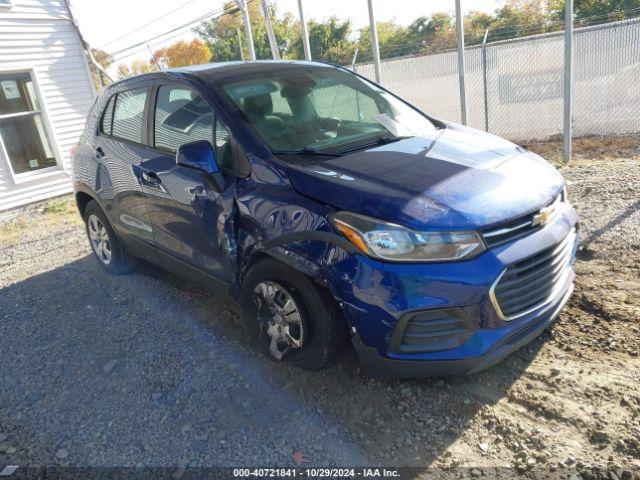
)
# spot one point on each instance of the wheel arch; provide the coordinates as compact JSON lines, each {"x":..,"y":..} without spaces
{"x":83,"y":196}
{"x":82,"y":200}
{"x":331,"y":311}
{"x":282,"y":250}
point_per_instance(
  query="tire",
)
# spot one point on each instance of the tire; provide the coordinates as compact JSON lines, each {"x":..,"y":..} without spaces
{"x":323,"y":333}
{"x":107,"y":248}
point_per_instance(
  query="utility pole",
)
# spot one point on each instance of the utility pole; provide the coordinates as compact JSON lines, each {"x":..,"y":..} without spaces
{"x":242,"y":4}
{"x":305,"y":33}
{"x":374,"y":42}
{"x":275,"y":53}
{"x":461,"y":65}
{"x":568,"y":77}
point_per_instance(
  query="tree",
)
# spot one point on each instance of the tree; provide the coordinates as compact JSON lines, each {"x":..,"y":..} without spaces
{"x":183,"y":53}
{"x":393,"y":40}
{"x":329,"y":41}
{"x":226,"y":37}
{"x":332,"y":39}
{"x":105,"y":60}
{"x":137,"y":67}
{"x":475,"y":25}
{"x":520,"y":18}
{"x":432,"y":34}
{"x":222,"y":34}
{"x":589,"y":12}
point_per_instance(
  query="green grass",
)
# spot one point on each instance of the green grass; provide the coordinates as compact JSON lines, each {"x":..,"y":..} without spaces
{"x":56,"y":206}
{"x":54,"y":213}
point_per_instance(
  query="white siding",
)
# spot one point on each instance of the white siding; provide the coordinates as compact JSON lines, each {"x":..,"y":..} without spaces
{"x":39,"y":35}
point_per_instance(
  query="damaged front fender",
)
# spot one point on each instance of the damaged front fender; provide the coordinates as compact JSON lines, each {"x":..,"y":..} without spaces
{"x":275,"y":221}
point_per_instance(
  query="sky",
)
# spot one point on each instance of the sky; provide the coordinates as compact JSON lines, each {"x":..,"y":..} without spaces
{"x":103,"y":23}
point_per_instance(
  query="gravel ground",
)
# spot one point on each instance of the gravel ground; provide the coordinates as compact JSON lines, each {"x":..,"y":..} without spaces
{"x":151,"y":370}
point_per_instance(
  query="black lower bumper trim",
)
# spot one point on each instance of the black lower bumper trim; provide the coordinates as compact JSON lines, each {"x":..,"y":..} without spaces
{"x":380,"y":367}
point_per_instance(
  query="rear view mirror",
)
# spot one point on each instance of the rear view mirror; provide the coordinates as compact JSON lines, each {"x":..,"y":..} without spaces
{"x":198,"y":155}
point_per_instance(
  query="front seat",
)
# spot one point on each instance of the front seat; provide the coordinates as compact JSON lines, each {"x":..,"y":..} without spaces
{"x":259,"y":109}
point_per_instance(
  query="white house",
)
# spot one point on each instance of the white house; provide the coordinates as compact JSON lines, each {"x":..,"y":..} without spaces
{"x":45,"y":93}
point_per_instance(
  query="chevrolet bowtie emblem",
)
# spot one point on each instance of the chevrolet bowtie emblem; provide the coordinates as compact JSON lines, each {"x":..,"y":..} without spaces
{"x":544,"y":216}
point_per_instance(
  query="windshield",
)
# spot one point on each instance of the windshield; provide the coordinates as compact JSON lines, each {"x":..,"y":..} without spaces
{"x":316,"y":109}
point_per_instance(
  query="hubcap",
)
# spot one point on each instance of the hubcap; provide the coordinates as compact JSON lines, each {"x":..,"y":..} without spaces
{"x":99,"y":238}
{"x":279,"y":318}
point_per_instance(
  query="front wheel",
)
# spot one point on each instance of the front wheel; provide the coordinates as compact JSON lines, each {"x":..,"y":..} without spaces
{"x":294,"y":320}
{"x":106,"y":246}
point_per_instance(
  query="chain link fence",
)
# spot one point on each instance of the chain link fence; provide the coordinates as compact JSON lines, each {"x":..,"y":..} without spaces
{"x":515,"y":87}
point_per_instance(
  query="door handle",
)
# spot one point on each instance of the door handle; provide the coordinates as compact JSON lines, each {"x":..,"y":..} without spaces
{"x":151,"y":177}
{"x":99,"y":152}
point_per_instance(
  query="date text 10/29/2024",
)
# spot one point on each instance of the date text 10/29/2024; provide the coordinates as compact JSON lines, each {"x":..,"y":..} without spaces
{"x":315,"y":473}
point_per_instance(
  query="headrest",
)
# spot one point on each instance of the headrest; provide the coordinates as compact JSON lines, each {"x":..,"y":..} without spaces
{"x":258,"y":105}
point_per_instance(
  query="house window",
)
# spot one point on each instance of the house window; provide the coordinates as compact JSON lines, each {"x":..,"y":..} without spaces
{"x":22,"y":128}
{"x":5,"y":3}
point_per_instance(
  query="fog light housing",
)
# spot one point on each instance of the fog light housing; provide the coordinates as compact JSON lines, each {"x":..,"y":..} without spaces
{"x":429,"y":331}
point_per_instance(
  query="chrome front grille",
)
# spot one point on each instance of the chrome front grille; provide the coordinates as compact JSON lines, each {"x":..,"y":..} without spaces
{"x":515,"y":229}
{"x":534,"y":282}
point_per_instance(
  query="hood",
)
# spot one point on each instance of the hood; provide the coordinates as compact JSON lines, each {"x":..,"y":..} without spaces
{"x":459,"y":178}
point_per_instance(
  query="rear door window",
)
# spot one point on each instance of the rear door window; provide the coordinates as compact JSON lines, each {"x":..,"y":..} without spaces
{"x":128,"y":115}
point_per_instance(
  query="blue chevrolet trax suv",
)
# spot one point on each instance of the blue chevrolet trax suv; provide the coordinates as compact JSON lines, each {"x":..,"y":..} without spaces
{"x":333,"y":210}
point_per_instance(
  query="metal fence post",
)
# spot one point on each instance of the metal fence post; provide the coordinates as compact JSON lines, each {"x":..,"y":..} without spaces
{"x":484,"y":81}
{"x":247,"y":26}
{"x":305,"y":33}
{"x":461,"y":66}
{"x":273,"y":44}
{"x":374,"y":42}
{"x":240,"y":45}
{"x":568,"y":77}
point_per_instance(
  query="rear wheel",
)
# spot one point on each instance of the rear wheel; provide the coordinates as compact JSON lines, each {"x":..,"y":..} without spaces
{"x":294,"y":320}
{"x":109,"y":251}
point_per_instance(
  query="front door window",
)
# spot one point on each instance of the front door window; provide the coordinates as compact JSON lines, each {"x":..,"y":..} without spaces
{"x":22,"y":126}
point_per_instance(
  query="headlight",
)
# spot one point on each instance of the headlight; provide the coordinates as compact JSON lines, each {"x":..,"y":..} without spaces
{"x":387,"y":241}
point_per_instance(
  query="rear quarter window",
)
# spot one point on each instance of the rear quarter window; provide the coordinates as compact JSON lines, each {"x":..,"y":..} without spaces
{"x":107,"y":117}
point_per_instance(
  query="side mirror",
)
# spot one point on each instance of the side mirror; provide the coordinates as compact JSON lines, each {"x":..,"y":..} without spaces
{"x":198,"y":155}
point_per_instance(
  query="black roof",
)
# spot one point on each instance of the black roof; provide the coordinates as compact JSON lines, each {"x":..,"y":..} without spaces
{"x":224,"y":70}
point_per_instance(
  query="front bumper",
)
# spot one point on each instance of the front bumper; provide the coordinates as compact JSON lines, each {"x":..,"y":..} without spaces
{"x":378,"y":297}
{"x":380,"y":367}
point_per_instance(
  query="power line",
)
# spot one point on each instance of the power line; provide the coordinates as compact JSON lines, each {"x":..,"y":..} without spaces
{"x":146,"y":24}
{"x":141,"y":46}
{"x":186,"y":25}
{"x":200,"y":19}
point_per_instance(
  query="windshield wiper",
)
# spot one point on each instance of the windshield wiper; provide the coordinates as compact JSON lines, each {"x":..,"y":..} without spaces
{"x":306,"y":151}
{"x":376,"y":143}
